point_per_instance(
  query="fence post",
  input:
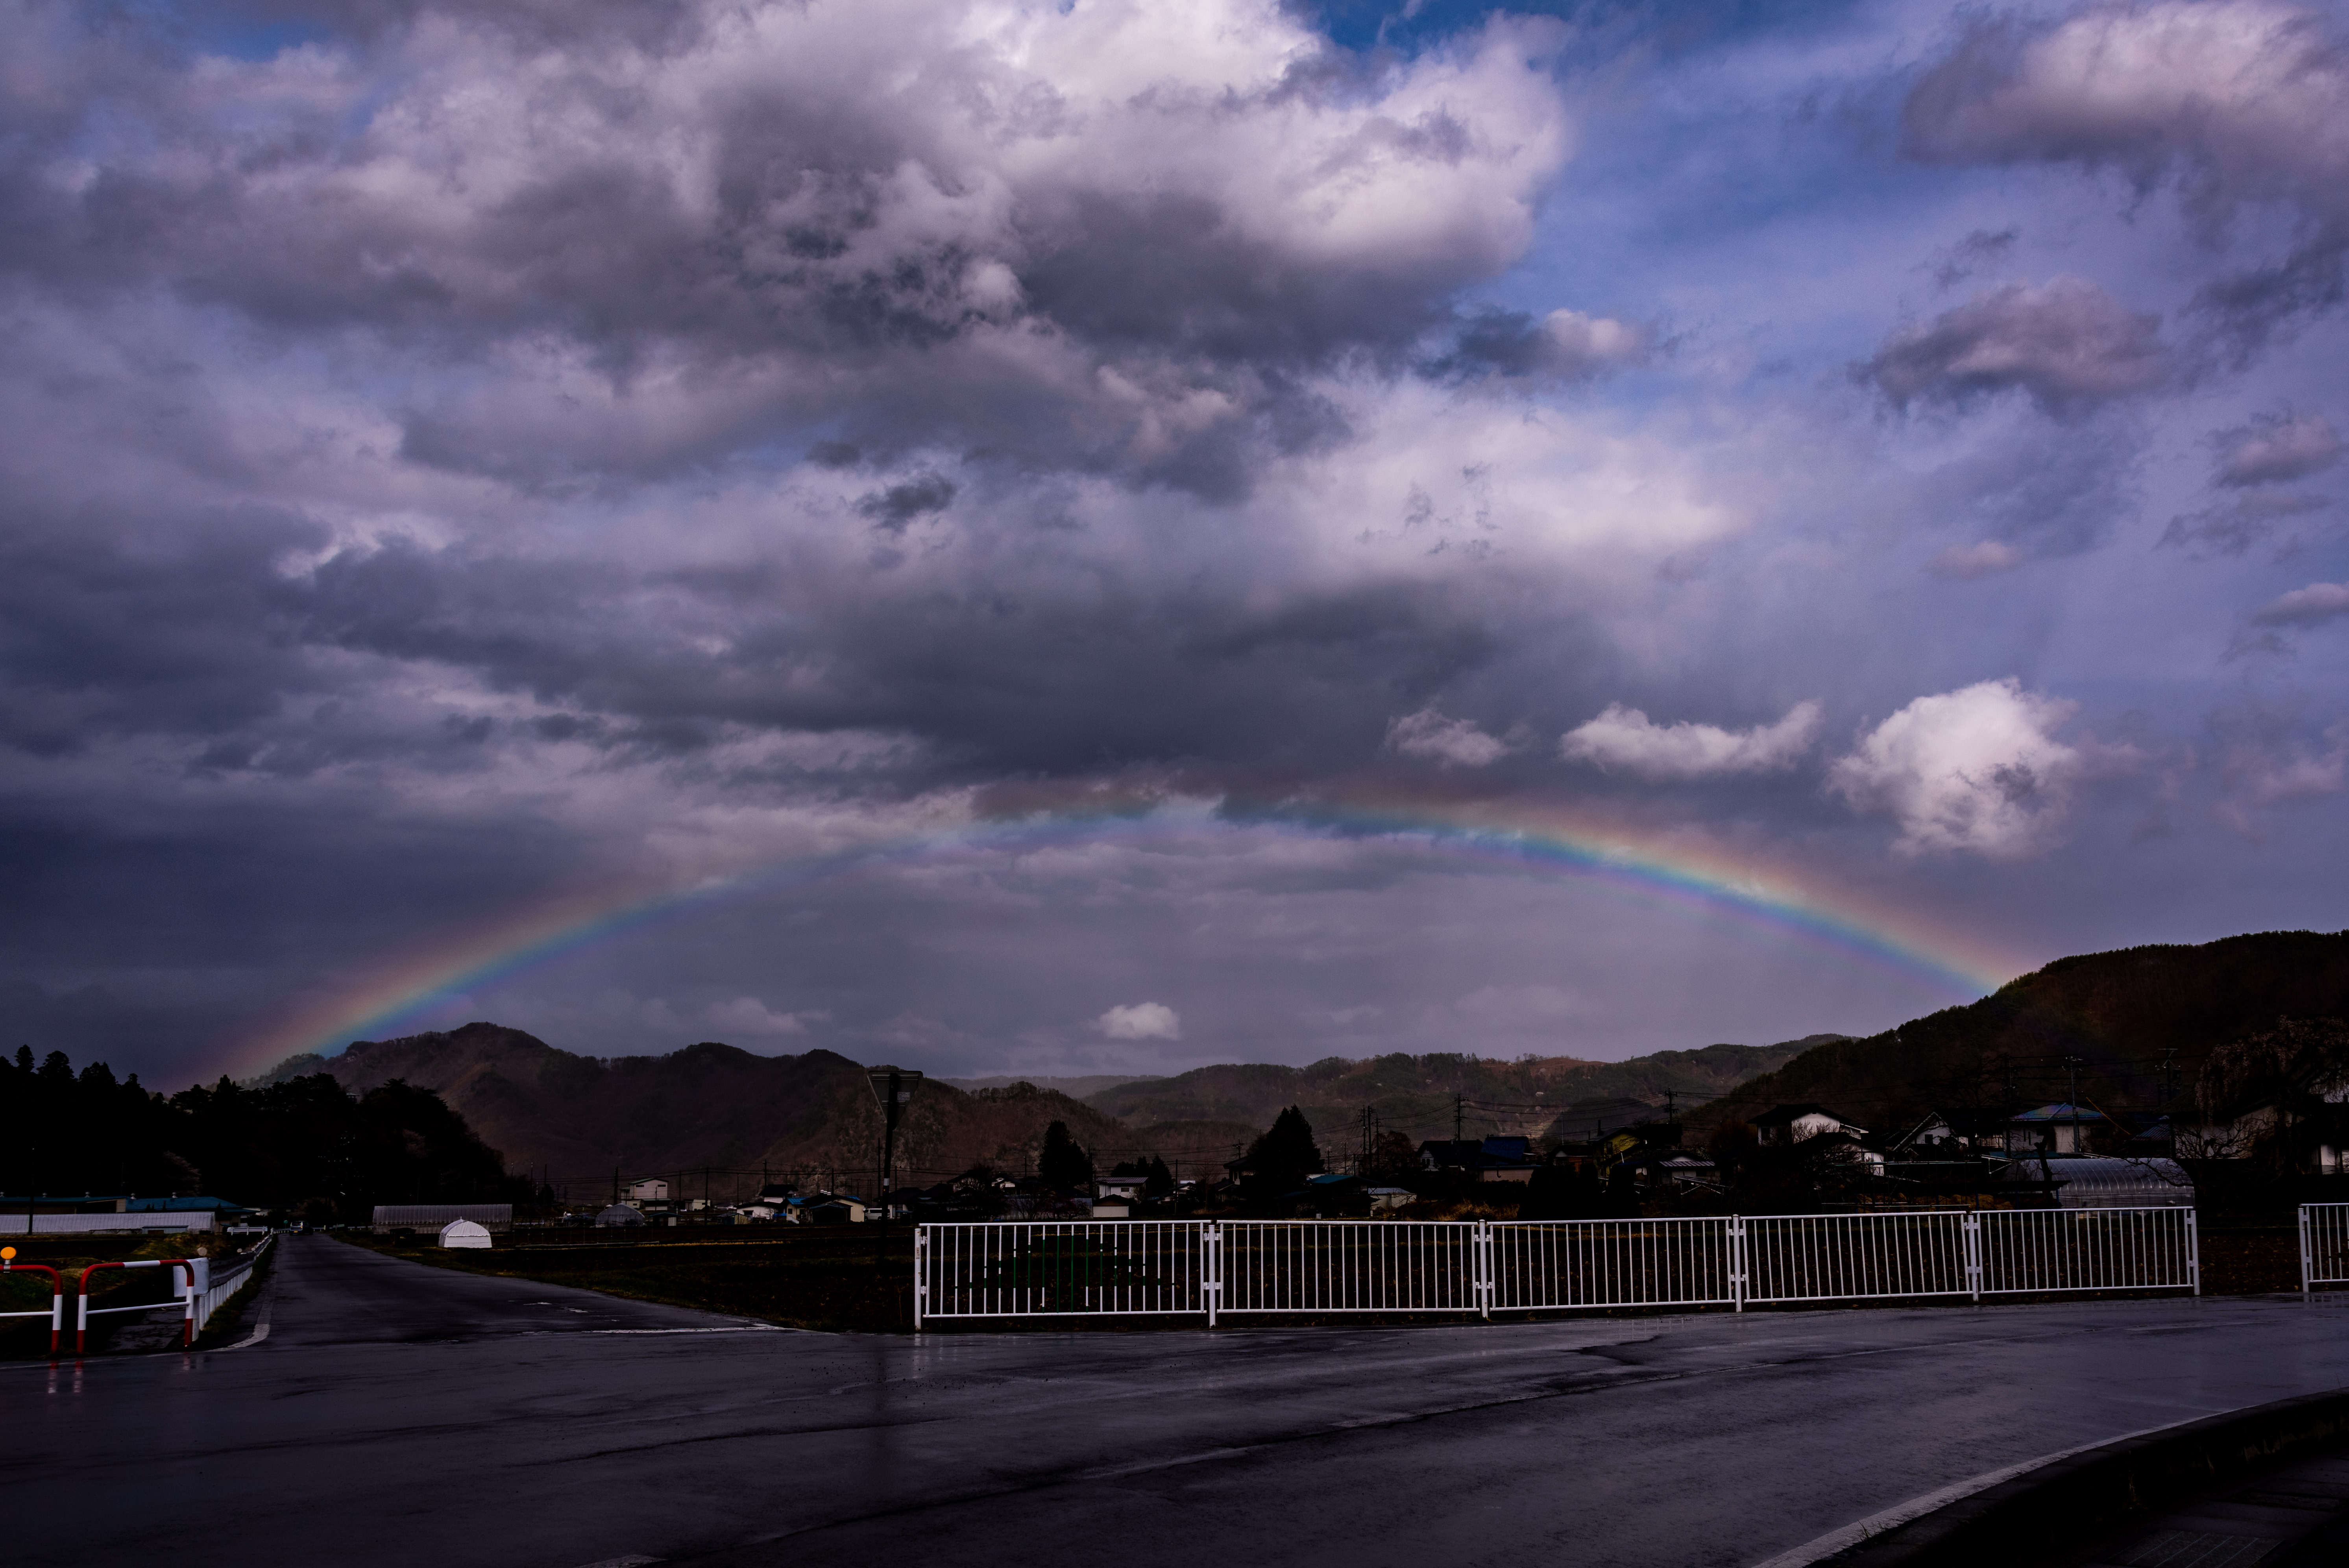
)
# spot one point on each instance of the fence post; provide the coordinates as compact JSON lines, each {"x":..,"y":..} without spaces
{"x":921,"y":1272}
{"x":1211,"y":1268}
{"x":1737,"y":1261}
{"x":1973,"y":1256}
{"x":1480,"y":1252}
{"x":2307,"y":1260}
{"x":2193,"y":1252}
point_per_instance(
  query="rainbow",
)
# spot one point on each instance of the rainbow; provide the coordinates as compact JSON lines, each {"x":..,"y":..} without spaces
{"x":1674,"y":863}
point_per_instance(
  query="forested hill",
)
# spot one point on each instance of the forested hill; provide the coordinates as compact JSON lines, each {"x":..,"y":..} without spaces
{"x":2137,"y":1024}
{"x":573,"y":1120}
{"x":1415,"y":1094}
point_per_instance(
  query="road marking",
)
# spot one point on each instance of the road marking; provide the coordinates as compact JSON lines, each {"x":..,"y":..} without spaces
{"x":1875,"y":1524}
{"x":260,"y":1317}
{"x":621,"y":1562}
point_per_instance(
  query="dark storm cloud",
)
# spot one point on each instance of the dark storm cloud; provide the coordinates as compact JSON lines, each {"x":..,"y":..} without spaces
{"x":2234,"y":528}
{"x":762,"y":211}
{"x":107,"y":629}
{"x":998,"y":680}
{"x":2069,"y":345}
{"x":2039,"y":493}
{"x":2236,"y":104}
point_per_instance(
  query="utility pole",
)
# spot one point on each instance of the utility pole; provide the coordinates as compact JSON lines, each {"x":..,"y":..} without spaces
{"x":1459,"y":1107}
{"x":2072,"y":1101}
{"x":892,"y":1086}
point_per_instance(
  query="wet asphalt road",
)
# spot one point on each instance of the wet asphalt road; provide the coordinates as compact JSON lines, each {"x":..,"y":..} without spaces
{"x":399,"y":1414}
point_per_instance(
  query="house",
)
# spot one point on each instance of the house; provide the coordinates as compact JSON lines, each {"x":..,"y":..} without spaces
{"x":1686,"y":1171}
{"x":1385,"y":1200}
{"x":2056,"y":1128}
{"x":1121,"y":1188}
{"x":843,"y":1210}
{"x":652,"y":1189}
{"x":1784,"y":1125}
{"x":1487,"y":1160}
{"x":1846,"y":1148}
{"x":1944,"y":1134}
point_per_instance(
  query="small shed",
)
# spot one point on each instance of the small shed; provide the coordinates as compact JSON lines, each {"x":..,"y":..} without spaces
{"x":464,"y":1233}
{"x":2098,"y":1181}
{"x":620,"y":1214}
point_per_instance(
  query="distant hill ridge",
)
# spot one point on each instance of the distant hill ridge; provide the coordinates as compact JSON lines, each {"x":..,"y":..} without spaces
{"x":2135,"y":1025}
{"x":1416,"y":1095}
{"x":2130,"y":1029}
{"x":580,"y":1118}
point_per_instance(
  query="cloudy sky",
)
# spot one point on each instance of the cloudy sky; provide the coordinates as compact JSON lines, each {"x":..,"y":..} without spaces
{"x":474,"y":468}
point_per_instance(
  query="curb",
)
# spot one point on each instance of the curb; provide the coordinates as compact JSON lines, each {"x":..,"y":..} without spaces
{"x":2071,"y":1501}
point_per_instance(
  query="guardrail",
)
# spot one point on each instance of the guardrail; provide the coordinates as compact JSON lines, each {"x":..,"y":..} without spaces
{"x":56,"y":1309}
{"x":182,"y":1303}
{"x":198,"y":1291}
{"x":218,"y":1282}
{"x":1022,"y":1269}
{"x":2324,"y":1246}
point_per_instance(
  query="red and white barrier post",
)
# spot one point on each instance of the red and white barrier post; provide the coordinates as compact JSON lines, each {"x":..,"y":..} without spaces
{"x":188,"y":1307}
{"x":56,"y":1313}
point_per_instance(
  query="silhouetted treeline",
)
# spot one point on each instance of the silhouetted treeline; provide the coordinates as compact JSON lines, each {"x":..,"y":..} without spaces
{"x":304,"y":1143}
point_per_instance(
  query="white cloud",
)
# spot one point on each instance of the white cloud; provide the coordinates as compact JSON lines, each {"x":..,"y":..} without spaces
{"x":1978,"y":769}
{"x":1141,"y":1021}
{"x":1578,"y":345}
{"x":1626,"y":738}
{"x":749,"y":1016}
{"x":1448,"y":743}
{"x":1967,"y":562}
{"x":2310,"y":606}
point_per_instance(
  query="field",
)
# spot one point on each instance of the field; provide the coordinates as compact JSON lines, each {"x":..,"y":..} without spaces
{"x":822,"y":1277}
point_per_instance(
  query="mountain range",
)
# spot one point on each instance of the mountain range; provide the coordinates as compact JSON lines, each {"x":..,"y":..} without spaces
{"x":2127,"y":1030}
{"x":714,"y":1117}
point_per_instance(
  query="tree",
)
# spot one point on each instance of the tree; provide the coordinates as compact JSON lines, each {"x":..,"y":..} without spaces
{"x":2269,"y":1097}
{"x":1160,"y":1180}
{"x":1062,"y":1165}
{"x":1393,"y":1157}
{"x":1286,"y":1154}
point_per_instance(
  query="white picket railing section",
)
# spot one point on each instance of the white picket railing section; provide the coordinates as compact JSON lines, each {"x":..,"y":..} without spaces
{"x":1216,"y":1268}
{"x":2323,"y":1245}
{"x":223,"y":1279}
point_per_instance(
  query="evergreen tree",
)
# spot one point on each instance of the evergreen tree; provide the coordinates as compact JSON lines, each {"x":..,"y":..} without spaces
{"x":1284,"y":1155}
{"x":1160,"y":1180}
{"x":1064,"y":1166}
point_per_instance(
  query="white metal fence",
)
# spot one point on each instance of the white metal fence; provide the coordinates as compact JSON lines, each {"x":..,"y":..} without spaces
{"x":223,"y":1279}
{"x":1217,"y":1267}
{"x":2323,"y":1245}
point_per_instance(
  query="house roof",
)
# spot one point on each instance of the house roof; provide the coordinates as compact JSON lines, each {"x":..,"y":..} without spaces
{"x":1783,"y":1116}
{"x":2059,"y":1112}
